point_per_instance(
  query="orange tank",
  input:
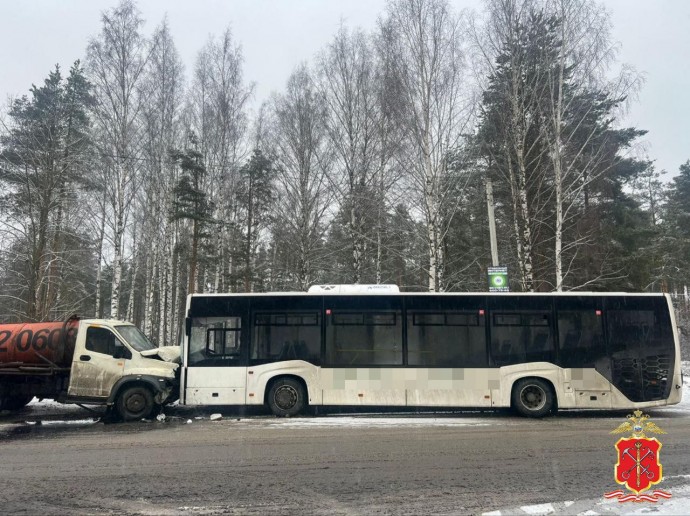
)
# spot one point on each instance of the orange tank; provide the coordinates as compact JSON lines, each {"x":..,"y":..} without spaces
{"x":38,"y":343}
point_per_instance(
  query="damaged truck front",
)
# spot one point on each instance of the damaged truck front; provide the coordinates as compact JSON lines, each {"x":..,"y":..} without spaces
{"x":91,"y":361}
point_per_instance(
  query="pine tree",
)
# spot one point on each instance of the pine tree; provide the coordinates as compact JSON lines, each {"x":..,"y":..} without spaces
{"x":191,"y":204}
{"x":677,"y":230}
{"x":43,"y":158}
{"x":255,"y":197}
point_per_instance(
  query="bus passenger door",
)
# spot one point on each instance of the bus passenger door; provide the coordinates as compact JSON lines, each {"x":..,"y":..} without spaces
{"x":216,"y":372}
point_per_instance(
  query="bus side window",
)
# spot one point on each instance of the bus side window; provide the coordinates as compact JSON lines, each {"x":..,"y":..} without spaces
{"x":521,"y":336}
{"x":364,"y":338}
{"x":446,"y":339}
{"x":581,"y":338}
{"x":285,"y":335}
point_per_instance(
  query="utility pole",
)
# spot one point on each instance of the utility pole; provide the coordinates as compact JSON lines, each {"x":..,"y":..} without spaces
{"x":492,"y":222}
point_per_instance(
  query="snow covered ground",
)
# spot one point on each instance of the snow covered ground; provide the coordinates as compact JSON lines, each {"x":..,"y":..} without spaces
{"x":679,"y":503}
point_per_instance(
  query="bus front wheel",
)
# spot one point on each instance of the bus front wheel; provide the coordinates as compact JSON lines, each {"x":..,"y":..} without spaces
{"x":286,"y":398}
{"x":533,"y":397}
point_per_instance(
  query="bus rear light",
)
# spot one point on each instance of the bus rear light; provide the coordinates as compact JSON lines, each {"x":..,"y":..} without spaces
{"x":598,"y":312}
{"x":481,"y":312}
{"x":328,"y":311}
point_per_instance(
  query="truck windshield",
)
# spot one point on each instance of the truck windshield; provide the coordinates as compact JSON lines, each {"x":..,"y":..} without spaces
{"x":136,"y":338}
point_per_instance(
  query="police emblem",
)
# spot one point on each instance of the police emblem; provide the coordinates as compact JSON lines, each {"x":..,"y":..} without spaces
{"x":638,"y":467}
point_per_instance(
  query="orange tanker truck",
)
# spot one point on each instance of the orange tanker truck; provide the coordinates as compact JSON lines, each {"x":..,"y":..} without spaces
{"x":92,"y":361}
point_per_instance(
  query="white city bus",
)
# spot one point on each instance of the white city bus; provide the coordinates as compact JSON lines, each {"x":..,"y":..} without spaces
{"x":370,"y":345}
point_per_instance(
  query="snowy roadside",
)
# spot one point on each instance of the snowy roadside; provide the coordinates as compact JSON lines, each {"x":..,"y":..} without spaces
{"x":678,"y":486}
{"x":678,"y":504}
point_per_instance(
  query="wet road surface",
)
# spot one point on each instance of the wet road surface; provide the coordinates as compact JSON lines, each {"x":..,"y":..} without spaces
{"x":59,"y":460}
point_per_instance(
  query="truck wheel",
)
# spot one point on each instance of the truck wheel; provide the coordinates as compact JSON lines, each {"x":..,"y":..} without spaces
{"x":135,"y":403}
{"x":286,"y":398}
{"x":16,"y":402}
{"x":533,"y":397}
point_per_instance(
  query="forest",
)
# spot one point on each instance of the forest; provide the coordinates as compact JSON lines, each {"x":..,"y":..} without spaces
{"x":128,"y":182}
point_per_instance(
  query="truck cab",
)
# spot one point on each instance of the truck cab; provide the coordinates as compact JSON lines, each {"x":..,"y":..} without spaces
{"x":116,"y":364}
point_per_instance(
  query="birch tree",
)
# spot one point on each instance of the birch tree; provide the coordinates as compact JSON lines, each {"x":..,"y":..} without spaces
{"x":220,"y":99}
{"x":548,"y":130}
{"x":161,"y":127}
{"x":511,"y":131}
{"x":348,"y":82}
{"x":580,"y":111}
{"x":116,"y":61}
{"x":429,"y":60}
{"x":302,"y":158}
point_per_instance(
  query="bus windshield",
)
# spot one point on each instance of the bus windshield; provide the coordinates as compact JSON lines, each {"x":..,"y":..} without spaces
{"x":136,"y":338}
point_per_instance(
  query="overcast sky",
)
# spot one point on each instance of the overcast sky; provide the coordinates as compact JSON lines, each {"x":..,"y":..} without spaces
{"x":276,"y":35}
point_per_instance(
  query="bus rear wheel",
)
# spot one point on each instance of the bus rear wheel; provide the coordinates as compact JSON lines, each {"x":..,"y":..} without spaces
{"x":533,"y":397}
{"x":286,"y":398}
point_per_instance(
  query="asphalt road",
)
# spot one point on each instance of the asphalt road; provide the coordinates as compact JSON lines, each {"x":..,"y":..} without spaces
{"x":455,"y":463}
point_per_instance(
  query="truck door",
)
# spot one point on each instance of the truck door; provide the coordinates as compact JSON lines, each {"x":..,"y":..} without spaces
{"x":95,"y":368}
{"x":216,"y":364}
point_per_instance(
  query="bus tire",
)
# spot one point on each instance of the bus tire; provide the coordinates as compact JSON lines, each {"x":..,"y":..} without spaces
{"x":286,"y":398}
{"x":134,"y":403}
{"x":533,"y":397}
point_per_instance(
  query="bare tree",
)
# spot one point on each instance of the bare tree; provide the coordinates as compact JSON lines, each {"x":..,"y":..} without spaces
{"x":579,"y":113}
{"x":429,"y":61}
{"x":511,"y":135}
{"x":116,"y":64}
{"x":302,"y":160}
{"x":219,"y":99}
{"x":161,"y":128}
{"x":348,"y":81}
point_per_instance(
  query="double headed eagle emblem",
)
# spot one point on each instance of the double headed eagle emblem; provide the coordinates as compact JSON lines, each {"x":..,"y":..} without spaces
{"x":637,"y":424}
